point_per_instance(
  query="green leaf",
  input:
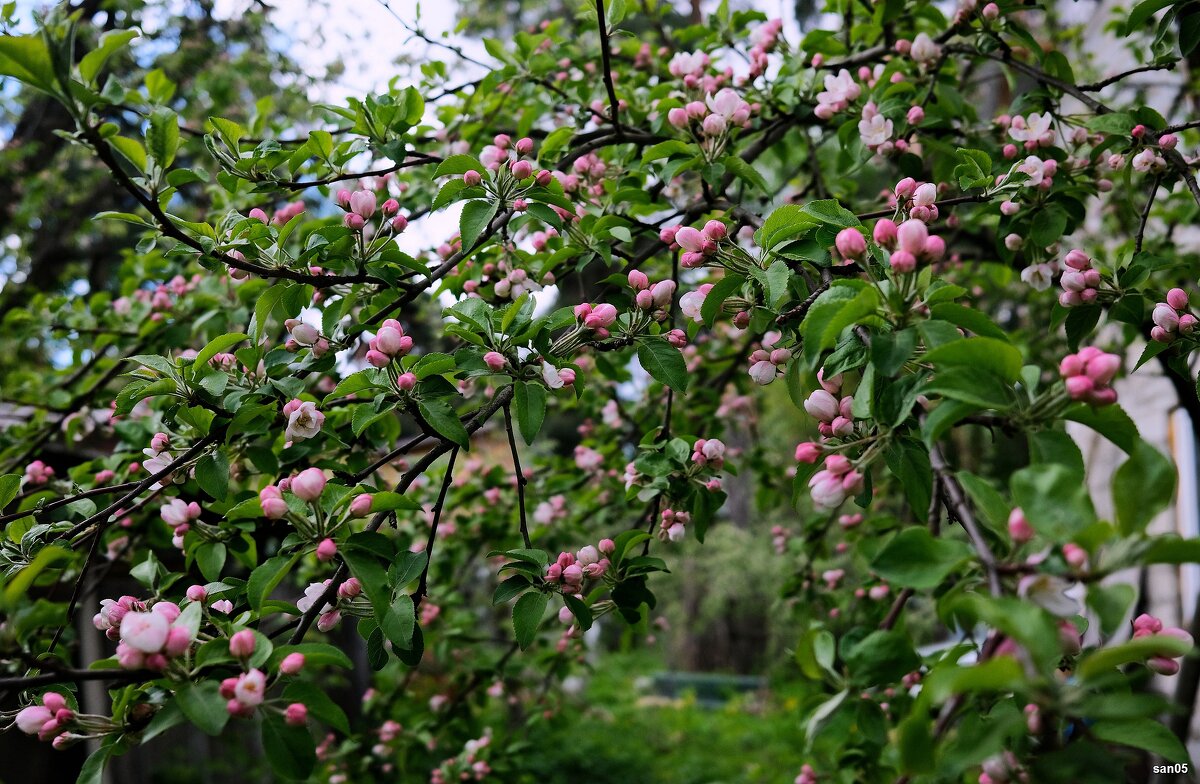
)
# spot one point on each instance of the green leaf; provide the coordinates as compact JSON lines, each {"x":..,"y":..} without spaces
{"x":746,"y":171}
{"x":513,"y":586}
{"x":666,"y":149}
{"x":664,"y":363}
{"x":890,"y":350}
{"x":530,"y":400}
{"x":1138,"y":17}
{"x":915,"y":559}
{"x":20,"y":583}
{"x":831,"y":212}
{"x":970,"y":385}
{"x":716,"y":296}
{"x":398,"y":622}
{"x":290,"y":750}
{"x":1054,"y":500}
{"x":219,"y":344}
{"x":1048,"y":226}
{"x":1142,"y":487}
{"x":783,"y":224}
{"x":26,"y":58}
{"x":1101,"y":661}
{"x":10,"y":484}
{"x":162,"y":136}
{"x":110,"y":43}
{"x":995,"y":356}
{"x":474,"y":219}
{"x":1109,"y":421}
{"x":1148,"y":734}
{"x":92,"y":771}
{"x":527,"y":616}
{"x":129,"y":149}
{"x":212,"y":474}
{"x":441,"y":417}
{"x":969,"y":319}
{"x":319,"y":704}
{"x":266,"y":577}
{"x":1111,"y":603}
{"x":458,"y":164}
{"x":203,"y":705}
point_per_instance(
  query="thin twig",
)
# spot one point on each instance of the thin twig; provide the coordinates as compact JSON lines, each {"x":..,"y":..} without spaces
{"x":447,"y":480}
{"x":606,"y":65}
{"x":521,"y":480}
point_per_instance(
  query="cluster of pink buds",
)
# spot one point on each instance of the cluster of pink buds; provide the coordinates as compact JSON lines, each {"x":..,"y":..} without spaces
{"x":466,"y":766}
{"x":49,"y":721}
{"x":697,"y":244}
{"x":281,"y":216}
{"x":329,"y":616}
{"x":709,"y":452}
{"x":673,"y":525}
{"x":1033,"y":131}
{"x":38,"y":473}
{"x":305,"y":335}
{"x":597,"y":318}
{"x":763,"y":40}
{"x":1148,"y":626}
{"x":147,"y":639}
{"x":918,"y":198}
{"x":779,"y":539}
{"x":501,"y":154}
{"x":158,"y":454}
{"x":807,"y":775}
{"x":389,"y":342}
{"x":767,"y":362}
{"x":911,"y":241}
{"x":834,"y":417}
{"x":179,"y":514}
{"x":875,"y":130}
{"x":714,"y":116}
{"x":1148,"y":160}
{"x":656,"y":297}
{"x":569,"y":570}
{"x":1040,"y":172}
{"x":685,"y":64}
{"x":244,"y":693}
{"x":1080,"y":282}
{"x":831,"y":486}
{"x":361,"y":205}
{"x":1171,"y":318}
{"x":1088,"y":375}
{"x":840,"y":91}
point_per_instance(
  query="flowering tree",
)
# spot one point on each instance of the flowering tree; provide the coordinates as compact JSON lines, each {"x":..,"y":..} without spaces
{"x":290,"y":468}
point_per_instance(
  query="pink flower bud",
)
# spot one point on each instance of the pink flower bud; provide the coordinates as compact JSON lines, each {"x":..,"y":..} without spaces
{"x":903,"y":262}
{"x":361,"y":505}
{"x":916,"y":115}
{"x":472,"y":178}
{"x":524,"y":145}
{"x":638,"y":280}
{"x":991,"y":12}
{"x":406,"y":381}
{"x":350,"y":588}
{"x":851,"y":243}
{"x":292,"y":663}
{"x":911,"y":236}
{"x":715,"y":230}
{"x":196,"y":593}
{"x":1168,"y":141}
{"x":309,"y":484}
{"x":502,"y":140}
{"x":906,"y":188}
{"x":1009,"y":207}
{"x":494,"y":360}
{"x":258,"y":215}
{"x":326,"y":550}
{"x":885,"y":232}
{"x":601,"y":316}
{"x":363,"y":203}
{"x":1075,"y":555}
{"x":296,"y":714}
{"x":607,"y":546}
{"x":1178,"y":299}
{"x":935,"y":248}
{"x":242,"y":644}
{"x":522,"y":169}
{"x":1018,"y":527}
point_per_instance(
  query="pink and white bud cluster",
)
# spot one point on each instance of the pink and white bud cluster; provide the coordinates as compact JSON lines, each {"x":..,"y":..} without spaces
{"x":1088,"y":375}
{"x":924,"y":50}
{"x":763,"y":40}
{"x":1172,"y":318}
{"x":691,"y":303}
{"x":1080,"y":282}
{"x":911,"y":241}
{"x":48,"y":720}
{"x":917,"y":198}
{"x":389,"y":343}
{"x":840,"y":91}
{"x":689,"y":66}
{"x":146,"y":639}
{"x":569,"y":570}
{"x":557,"y":378}
{"x":875,"y":130}
{"x":597,"y":318}
{"x":359,"y":205}
{"x":768,"y":365}
{"x":1148,"y":160}
{"x":673,"y":525}
{"x":303,"y":334}
{"x":38,"y":473}
{"x":697,"y":244}
{"x":709,"y":452}
{"x":656,"y":297}
{"x":713,"y":117}
{"x":834,"y":417}
{"x":831,"y":486}
{"x":303,"y":420}
{"x":1040,"y":172}
{"x":515,"y":283}
{"x":1148,"y":626}
{"x":108,"y":620}
{"x":179,"y":514}
{"x":1003,"y":768}
{"x":244,"y":693}
{"x":1034,"y":130}
{"x":552,"y":510}
{"x":329,"y":616}
{"x":502,"y":153}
